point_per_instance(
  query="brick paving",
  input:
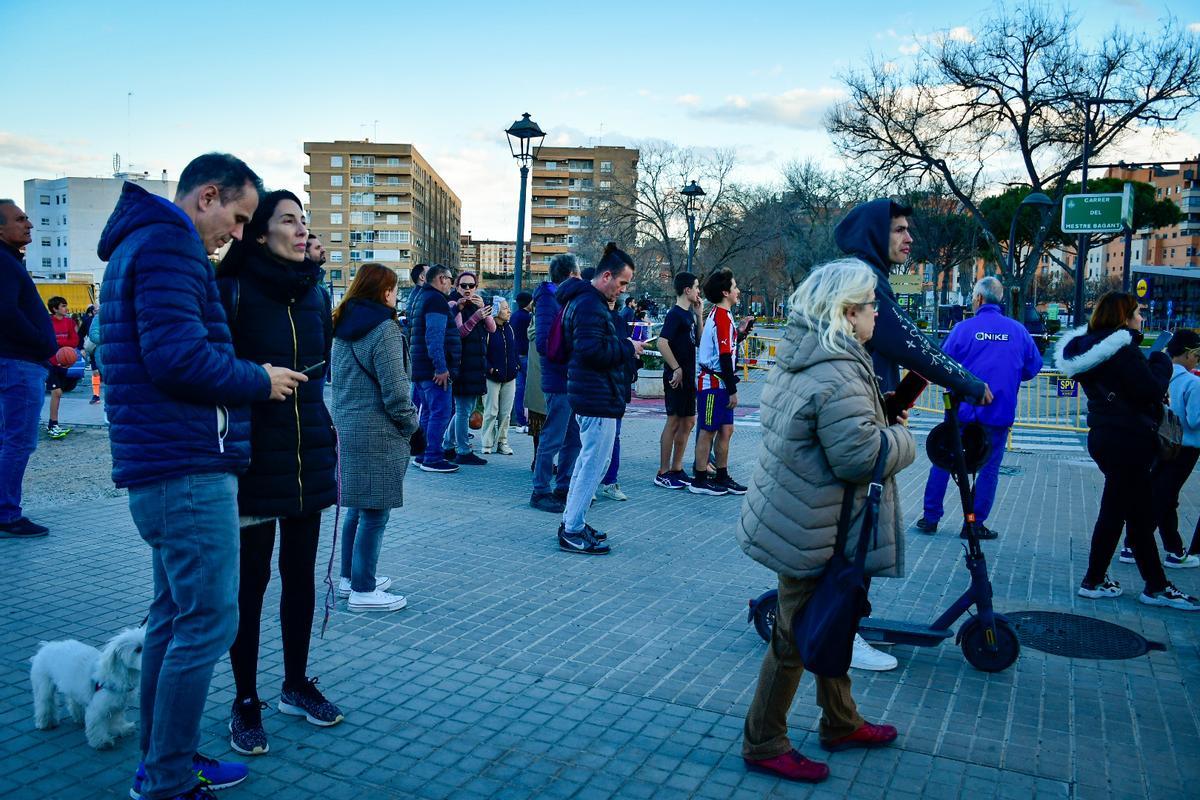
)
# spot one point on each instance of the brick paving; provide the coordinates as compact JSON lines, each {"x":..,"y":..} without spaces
{"x":518,"y":671}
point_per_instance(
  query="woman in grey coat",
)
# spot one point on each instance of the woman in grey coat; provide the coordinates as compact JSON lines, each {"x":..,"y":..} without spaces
{"x":375,"y":418}
{"x":822,"y":421}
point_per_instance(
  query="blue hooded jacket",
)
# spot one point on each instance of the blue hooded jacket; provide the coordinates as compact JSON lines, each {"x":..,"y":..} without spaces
{"x":602,"y":361}
{"x":897,"y":341}
{"x":545,"y":309}
{"x":1002,"y":353}
{"x":177,"y":397}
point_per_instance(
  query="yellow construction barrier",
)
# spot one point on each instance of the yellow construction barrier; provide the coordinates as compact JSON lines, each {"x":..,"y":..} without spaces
{"x":1051,"y":401}
{"x":758,"y":352}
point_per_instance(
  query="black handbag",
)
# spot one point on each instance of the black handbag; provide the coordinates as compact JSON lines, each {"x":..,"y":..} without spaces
{"x":824,"y":629}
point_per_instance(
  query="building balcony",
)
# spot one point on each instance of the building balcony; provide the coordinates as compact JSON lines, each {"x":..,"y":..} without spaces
{"x":549,"y":230}
{"x":549,"y":211}
{"x":550,"y":173}
{"x":548,"y":247}
{"x":403,"y":168}
{"x":550,"y":191}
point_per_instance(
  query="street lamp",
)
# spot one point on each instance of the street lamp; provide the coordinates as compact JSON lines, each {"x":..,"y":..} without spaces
{"x":1044,"y":205}
{"x":524,"y":140}
{"x":692,"y":194}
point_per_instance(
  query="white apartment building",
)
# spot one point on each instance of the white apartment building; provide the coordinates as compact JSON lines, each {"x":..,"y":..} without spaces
{"x":68,"y":216}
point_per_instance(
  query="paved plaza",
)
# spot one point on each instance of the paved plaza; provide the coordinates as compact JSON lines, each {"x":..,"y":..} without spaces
{"x":518,"y":671}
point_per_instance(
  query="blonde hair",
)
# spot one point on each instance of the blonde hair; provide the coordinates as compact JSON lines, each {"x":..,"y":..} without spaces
{"x":825,"y":295}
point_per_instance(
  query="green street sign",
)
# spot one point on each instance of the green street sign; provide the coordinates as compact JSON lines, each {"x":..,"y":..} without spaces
{"x":1097,"y":213}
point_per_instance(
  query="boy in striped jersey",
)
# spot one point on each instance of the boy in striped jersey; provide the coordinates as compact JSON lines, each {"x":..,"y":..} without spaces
{"x":716,"y":386}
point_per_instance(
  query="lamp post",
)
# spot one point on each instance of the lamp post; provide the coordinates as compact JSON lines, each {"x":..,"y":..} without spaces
{"x":521,"y":141}
{"x":1082,"y":248}
{"x":1045,"y":206}
{"x":692,"y":194}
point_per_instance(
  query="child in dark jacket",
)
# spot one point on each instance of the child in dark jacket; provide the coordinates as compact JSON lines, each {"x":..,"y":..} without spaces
{"x":501,"y":383}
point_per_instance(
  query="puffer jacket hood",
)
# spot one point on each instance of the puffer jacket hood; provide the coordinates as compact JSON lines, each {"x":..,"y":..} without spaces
{"x":359,"y":318}
{"x":822,"y":423}
{"x":136,"y":209}
{"x":864,"y":234}
{"x":570,"y":289}
{"x":545,"y":309}
{"x":1082,"y":350}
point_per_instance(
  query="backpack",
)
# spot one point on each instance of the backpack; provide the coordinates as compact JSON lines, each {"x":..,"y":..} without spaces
{"x":558,"y":348}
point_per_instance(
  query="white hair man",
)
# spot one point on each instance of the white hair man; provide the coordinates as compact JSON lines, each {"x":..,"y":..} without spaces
{"x":1002,"y":354}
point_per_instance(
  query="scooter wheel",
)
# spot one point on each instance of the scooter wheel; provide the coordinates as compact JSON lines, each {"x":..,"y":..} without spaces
{"x":975,"y":646}
{"x":762,"y":614}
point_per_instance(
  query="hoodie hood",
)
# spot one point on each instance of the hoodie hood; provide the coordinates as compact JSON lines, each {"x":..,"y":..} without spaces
{"x":572,"y":288}
{"x":360,"y":317}
{"x":1080,"y":351}
{"x":802,"y":348}
{"x":864,"y":234}
{"x":137,"y":209}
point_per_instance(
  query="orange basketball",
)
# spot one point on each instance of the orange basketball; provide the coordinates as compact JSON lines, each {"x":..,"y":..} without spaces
{"x":66,"y":356}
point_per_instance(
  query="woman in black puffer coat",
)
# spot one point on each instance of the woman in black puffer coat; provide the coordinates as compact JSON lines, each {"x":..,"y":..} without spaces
{"x":279,"y":313}
{"x":1125,"y":392}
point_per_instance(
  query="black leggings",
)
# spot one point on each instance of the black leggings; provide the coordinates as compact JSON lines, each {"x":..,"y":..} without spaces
{"x":1125,"y":457}
{"x":297,"y":598}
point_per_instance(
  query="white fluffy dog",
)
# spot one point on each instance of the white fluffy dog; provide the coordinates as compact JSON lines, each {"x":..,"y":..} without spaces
{"x":96,"y":684}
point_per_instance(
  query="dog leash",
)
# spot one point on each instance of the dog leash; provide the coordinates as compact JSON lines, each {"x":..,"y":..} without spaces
{"x":337,"y":518}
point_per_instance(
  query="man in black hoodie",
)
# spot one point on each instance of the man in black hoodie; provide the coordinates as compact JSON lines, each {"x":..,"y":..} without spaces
{"x":26,"y":341}
{"x":878,"y":232}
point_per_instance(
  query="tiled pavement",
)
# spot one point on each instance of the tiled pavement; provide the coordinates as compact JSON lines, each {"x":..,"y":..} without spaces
{"x":519,"y":671}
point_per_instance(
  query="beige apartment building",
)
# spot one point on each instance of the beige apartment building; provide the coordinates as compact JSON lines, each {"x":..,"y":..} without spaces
{"x":568,"y":185}
{"x":370,"y":201}
{"x":493,"y":258}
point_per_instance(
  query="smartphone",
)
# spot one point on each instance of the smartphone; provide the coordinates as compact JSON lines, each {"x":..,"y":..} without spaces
{"x":314,"y":369}
{"x":906,"y":394}
{"x":1160,"y":344}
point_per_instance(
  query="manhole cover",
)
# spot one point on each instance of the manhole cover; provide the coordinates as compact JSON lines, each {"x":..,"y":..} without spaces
{"x":1078,"y":637}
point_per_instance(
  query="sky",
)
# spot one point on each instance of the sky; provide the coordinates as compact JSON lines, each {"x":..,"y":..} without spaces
{"x":159,"y":83}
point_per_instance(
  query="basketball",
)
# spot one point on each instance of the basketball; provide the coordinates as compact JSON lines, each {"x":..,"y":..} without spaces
{"x":66,"y":356}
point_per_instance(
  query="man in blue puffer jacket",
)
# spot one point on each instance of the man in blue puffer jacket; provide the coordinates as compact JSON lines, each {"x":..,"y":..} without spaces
{"x":1001,"y":352}
{"x":436,"y":351}
{"x":178,"y":402}
{"x":560,"y":433}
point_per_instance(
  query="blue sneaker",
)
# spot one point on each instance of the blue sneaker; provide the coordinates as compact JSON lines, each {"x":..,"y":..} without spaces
{"x":211,"y":773}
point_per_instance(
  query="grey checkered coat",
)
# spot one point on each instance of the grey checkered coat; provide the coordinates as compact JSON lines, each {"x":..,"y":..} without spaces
{"x":374,"y":416}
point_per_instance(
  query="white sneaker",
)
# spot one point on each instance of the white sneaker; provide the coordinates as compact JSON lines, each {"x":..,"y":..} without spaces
{"x":377,"y":601}
{"x":382,"y":582}
{"x":504,"y":450}
{"x":487,"y":451}
{"x":612,"y":491}
{"x":1181,"y":561}
{"x":867,"y":657}
{"x":1171,"y":597}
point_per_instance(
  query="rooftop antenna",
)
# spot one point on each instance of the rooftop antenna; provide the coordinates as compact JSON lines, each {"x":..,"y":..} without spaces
{"x":128,"y":121}
{"x":374,"y":128}
{"x":116,"y":164}
{"x":600,"y":138}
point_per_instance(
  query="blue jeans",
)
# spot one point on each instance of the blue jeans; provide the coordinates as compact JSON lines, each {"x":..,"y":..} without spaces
{"x":22,"y":386}
{"x":191,"y":525}
{"x":458,"y":432}
{"x":435,"y":414}
{"x":596,"y":436}
{"x":985,"y":484}
{"x":614,"y":461}
{"x":518,"y":412}
{"x":360,"y":546}
{"x":560,"y":437}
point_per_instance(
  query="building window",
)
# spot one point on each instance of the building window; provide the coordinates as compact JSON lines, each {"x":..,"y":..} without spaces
{"x":45,"y":241}
{"x":336,"y":274}
{"x":393,"y":219}
{"x":47,"y":263}
{"x":393,"y":161}
{"x":335,"y":161}
{"x":336,"y":236}
{"x":356,"y":255}
{"x":362,"y":199}
{"x":605,"y":184}
{"x":606,"y":166}
{"x":335,"y":256}
{"x":336,"y":180}
{"x":335,"y":199}
{"x":65,"y":262}
{"x":551,"y":165}
{"x":574,"y":221}
{"x":44,"y":199}
{"x":335,"y":219}
{"x":45,"y":221}
{"x":362,"y":161}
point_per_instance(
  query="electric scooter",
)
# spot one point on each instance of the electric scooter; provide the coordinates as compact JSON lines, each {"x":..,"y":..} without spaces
{"x":988,"y":640}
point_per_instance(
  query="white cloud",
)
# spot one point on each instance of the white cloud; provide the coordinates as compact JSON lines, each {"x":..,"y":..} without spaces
{"x":910,"y":49}
{"x":1194,"y":27}
{"x":1145,"y":144}
{"x":960,"y":33}
{"x":689,"y":100}
{"x":40,"y":158}
{"x":795,"y":108}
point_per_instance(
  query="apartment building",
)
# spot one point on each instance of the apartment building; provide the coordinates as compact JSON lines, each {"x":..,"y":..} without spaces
{"x":68,"y":216}
{"x":491,"y":257}
{"x":568,"y":185}
{"x":371,"y":201}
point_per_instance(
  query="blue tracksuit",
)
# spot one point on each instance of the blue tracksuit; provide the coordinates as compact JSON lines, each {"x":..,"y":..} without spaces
{"x":1000,"y":352}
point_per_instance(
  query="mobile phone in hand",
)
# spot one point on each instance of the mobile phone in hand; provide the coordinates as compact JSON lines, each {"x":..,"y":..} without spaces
{"x":314,"y":369}
{"x":906,"y":394}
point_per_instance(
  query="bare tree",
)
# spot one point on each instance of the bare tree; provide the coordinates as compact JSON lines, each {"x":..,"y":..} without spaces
{"x":1006,"y":106}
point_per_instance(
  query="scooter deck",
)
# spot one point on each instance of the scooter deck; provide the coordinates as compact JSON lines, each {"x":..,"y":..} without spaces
{"x":883,"y":630}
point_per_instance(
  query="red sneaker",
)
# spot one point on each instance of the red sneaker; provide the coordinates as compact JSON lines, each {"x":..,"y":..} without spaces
{"x":791,"y":766}
{"x":866,"y":736}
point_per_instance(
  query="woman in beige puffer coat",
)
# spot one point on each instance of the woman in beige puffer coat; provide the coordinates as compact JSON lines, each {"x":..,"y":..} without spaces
{"x":822,"y":419}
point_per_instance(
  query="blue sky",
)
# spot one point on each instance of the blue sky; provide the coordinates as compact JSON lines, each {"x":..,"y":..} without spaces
{"x":258,"y":79}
